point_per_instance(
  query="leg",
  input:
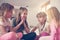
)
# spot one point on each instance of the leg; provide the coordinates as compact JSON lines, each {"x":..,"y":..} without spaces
{"x":29,"y":36}
{"x":20,"y":35}
{"x":9,"y":36}
{"x":44,"y":34}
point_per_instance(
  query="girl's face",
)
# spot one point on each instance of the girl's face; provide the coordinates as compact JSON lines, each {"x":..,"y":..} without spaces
{"x":8,"y":14}
{"x":41,"y":19}
{"x":24,"y":14}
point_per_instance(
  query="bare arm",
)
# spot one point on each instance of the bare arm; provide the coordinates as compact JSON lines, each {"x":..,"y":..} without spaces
{"x":11,"y":28}
{"x":18,"y":26}
{"x":47,"y":29}
{"x":34,"y":29}
{"x":26,"y":28}
{"x":2,"y":30}
{"x":7,"y":23}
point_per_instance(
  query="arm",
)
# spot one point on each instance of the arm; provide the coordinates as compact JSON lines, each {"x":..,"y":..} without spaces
{"x":47,"y":29}
{"x":10,"y":26}
{"x":7,"y":24}
{"x":26,"y":28}
{"x":34,"y":29}
{"x":15,"y":28}
{"x":2,"y":30}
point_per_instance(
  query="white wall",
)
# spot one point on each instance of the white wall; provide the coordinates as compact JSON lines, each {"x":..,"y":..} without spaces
{"x":34,"y":7}
{"x":56,"y":3}
{"x":33,"y":11}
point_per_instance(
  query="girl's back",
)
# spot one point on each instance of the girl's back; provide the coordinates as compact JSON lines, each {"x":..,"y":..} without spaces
{"x":55,"y":31}
{"x":57,"y":34}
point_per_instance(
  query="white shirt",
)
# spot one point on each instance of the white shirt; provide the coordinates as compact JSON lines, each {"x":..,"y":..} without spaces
{"x":41,"y":28}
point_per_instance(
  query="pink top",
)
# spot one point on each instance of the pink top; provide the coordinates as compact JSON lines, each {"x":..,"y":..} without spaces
{"x":55,"y":32}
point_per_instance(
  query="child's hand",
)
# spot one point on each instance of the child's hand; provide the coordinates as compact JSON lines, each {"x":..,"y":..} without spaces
{"x":19,"y":35}
{"x":23,"y":17}
{"x":34,"y":29}
{"x":22,"y":21}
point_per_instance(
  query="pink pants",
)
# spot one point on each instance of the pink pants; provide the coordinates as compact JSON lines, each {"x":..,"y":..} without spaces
{"x":10,"y":36}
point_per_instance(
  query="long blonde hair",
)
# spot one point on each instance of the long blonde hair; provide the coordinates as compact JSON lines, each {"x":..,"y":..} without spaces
{"x":53,"y":13}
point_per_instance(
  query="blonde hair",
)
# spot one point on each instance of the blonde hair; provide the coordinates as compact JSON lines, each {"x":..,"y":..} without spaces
{"x":53,"y":13}
{"x":41,"y":14}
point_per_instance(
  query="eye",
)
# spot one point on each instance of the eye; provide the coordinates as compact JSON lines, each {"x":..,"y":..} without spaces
{"x":25,"y":13}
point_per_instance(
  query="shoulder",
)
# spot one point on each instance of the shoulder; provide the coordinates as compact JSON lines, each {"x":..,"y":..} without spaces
{"x":52,"y":23}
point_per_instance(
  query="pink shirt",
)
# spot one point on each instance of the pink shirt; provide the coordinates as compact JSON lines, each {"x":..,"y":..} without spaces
{"x":55,"y":32}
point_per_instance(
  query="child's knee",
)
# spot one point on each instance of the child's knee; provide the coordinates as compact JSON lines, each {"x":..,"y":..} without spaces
{"x":20,"y":34}
{"x":12,"y":35}
{"x":9,"y":36}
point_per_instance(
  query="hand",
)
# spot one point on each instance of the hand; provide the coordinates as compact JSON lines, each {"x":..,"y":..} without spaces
{"x":34,"y":29}
{"x":22,"y":21}
{"x":18,"y":26}
{"x":23,"y":17}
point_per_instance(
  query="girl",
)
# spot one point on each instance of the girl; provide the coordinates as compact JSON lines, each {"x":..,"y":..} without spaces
{"x":23,"y":16}
{"x":7,"y":32}
{"x":42,"y":18}
{"x":54,"y":17}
